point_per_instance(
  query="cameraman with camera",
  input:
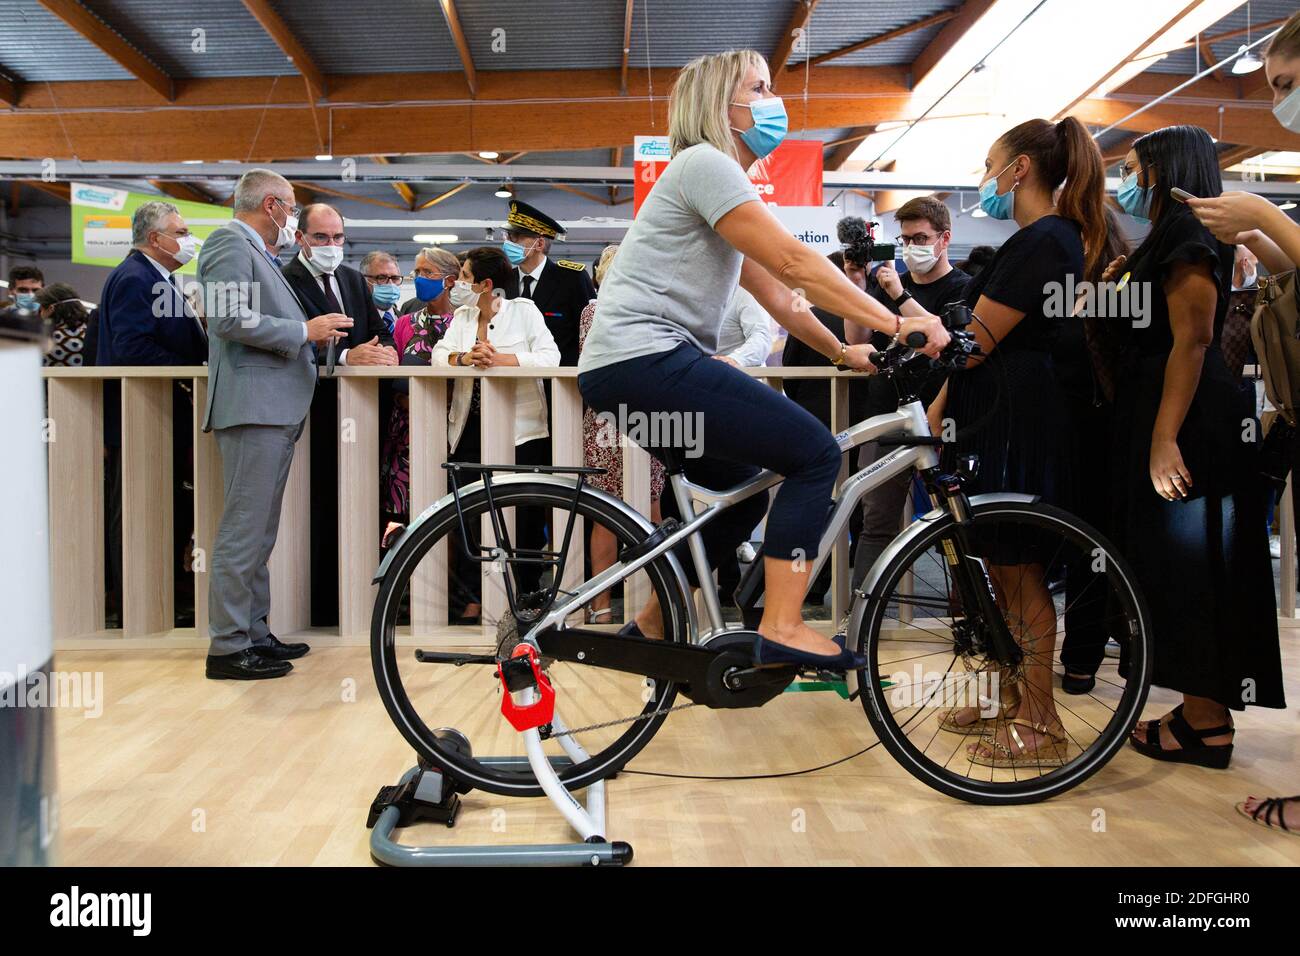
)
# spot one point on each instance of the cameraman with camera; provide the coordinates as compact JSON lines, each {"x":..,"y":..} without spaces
{"x":930,"y":283}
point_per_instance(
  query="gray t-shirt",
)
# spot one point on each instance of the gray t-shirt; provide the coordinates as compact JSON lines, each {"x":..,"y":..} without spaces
{"x":673,"y":276}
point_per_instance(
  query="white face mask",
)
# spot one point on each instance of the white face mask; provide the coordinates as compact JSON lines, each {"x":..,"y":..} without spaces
{"x":326,"y":258}
{"x":462,"y":294}
{"x":919,"y":258}
{"x":1288,"y":111}
{"x":187,"y":248}
{"x":285,"y":237}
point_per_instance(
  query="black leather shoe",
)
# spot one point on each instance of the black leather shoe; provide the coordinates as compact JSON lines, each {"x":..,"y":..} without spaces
{"x":245,"y":665}
{"x":275,"y":650}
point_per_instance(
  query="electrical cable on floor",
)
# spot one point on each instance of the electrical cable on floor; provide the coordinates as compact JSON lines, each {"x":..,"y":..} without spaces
{"x":754,"y":776}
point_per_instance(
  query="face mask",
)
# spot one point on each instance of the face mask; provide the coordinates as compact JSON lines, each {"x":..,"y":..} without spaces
{"x":187,"y":247}
{"x":1248,"y":279}
{"x":919,"y":258}
{"x":327,"y":258}
{"x":1133,"y":199}
{"x":770,"y":125}
{"x":462,"y":294}
{"x":998,"y":205}
{"x":285,"y":238}
{"x":386,"y":295}
{"x":515,"y":252}
{"x":426,"y":290}
{"x":26,"y":301}
{"x":1288,"y":111}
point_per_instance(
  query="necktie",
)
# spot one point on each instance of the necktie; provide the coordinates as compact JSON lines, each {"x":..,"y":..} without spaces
{"x":185,"y":305}
{"x":528,"y":287}
{"x":390,"y":323}
{"x":331,"y":301}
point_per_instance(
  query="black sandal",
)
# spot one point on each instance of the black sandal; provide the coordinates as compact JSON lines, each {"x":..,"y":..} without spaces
{"x":1194,"y":749}
{"x":1263,"y":814}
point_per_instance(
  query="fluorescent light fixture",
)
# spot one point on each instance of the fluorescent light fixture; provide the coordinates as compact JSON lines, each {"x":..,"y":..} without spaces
{"x":433,"y":238}
{"x":978,"y":213}
{"x":191,"y":162}
{"x":488,"y":154}
{"x":324,"y":157}
{"x":1248,"y":62}
{"x":1287,"y":206}
{"x":503,"y":193}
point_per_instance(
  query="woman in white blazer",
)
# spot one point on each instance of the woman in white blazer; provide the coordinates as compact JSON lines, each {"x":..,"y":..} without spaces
{"x":489,"y":329}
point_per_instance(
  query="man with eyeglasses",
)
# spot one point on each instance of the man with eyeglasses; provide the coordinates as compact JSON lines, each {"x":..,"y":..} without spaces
{"x":930,"y":283}
{"x":384,"y":279}
{"x":261,"y":378}
{"x":325,"y":284}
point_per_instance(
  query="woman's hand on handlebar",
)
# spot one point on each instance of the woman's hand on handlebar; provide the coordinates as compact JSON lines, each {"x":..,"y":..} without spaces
{"x":931,"y":326}
{"x":858,"y":358}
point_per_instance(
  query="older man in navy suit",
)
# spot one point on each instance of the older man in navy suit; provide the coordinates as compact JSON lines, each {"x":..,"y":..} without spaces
{"x":143,"y":317}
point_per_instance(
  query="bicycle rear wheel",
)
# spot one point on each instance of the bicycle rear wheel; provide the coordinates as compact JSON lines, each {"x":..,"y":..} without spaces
{"x":925,"y":656}
{"x":430,"y":584}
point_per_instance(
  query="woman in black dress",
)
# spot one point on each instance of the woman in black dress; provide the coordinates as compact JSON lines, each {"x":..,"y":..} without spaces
{"x":1191,"y":506}
{"x":1010,"y":409}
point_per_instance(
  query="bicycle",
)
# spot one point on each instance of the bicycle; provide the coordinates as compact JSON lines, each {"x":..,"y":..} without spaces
{"x":932,"y":602}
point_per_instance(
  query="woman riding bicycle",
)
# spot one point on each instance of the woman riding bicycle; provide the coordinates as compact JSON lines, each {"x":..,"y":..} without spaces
{"x":701,"y":230}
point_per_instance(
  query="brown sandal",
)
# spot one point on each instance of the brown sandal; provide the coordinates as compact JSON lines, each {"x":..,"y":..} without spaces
{"x":1049,"y":753}
{"x":1008,"y":701}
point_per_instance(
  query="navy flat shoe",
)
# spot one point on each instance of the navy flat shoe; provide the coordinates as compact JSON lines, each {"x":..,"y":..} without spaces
{"x":769,"y":652}
{"x":630,"y":630}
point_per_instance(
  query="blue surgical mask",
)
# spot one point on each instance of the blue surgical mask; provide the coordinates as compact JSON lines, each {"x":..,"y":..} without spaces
{"x":998,"y":205}
{"x":386,"y":295}
{"x":770,"y":125}
{"x":26,"y":300}
{"x":514,"y":252}
{"x":426,"y":290}
{"x":1133,"y":199}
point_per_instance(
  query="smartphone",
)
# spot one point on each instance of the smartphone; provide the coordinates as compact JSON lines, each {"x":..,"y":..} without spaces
{"x":1182,"y":195}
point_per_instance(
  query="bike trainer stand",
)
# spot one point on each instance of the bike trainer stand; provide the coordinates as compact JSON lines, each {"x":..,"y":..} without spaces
{"x":428,"y":794}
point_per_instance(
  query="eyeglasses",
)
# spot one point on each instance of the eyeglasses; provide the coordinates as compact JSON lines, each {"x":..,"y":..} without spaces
{"x":385,"y":279}
{"x":321,"y":238}
{"x":295,"y":210}
{"x":918,"y":238}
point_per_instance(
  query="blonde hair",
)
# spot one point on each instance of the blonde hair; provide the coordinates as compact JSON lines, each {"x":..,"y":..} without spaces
{"x":606,"y":260}
{"x":702,"y":93}
{"x":1287,"y":41}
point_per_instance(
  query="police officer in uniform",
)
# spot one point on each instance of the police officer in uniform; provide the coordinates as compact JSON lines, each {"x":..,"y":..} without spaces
{"x":560,"y":288}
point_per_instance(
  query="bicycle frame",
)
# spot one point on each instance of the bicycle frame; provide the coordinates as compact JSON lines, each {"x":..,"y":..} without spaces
{"x":907,"y":421}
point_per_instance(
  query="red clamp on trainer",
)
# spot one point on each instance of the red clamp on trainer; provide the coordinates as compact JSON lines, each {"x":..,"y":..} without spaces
{"x":541,"y":710}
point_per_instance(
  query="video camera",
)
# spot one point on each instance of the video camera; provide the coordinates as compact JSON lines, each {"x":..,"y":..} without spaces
{"x":857,"y":239}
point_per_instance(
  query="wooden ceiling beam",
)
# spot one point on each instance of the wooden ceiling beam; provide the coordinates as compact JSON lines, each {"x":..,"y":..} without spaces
{"x":845,"y":147}
{"x":796,"y":28}
{"x":1255,"y":126}
{"x":628,"y":7}
{"x":186,"y":191}
{"x":285,"y":39}
{"x":111,"y":43}
{"x":402,"y":189}
{"x":968,"y":14}
{"x":885,"y":37}
{"x":462,"y":46}
{"x":314,"y":187}
{"x":442,"y":195}
{"x":8,"y":92}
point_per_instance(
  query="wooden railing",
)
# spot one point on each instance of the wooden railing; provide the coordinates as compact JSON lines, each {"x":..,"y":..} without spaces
{"x":76,"y":474}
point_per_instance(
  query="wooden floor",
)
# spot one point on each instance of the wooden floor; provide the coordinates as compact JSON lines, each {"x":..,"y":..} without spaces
{"x":179,"y":770}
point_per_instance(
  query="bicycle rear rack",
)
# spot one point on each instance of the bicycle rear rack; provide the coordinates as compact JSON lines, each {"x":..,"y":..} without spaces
{"x":503,"y":553}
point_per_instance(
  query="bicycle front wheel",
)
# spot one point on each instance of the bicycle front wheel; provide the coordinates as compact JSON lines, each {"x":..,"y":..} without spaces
{"x":939,"y":700}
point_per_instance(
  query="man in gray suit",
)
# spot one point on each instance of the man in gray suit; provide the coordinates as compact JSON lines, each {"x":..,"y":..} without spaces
{"x":261,"y":376}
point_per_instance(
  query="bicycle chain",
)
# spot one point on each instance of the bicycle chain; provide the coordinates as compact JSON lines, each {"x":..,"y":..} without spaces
{"x":623,"y":720}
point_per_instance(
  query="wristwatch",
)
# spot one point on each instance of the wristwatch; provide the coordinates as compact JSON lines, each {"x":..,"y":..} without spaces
{"x":902,"y":298}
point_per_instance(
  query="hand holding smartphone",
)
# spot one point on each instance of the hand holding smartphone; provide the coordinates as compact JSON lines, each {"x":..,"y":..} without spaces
{"x":1182,"y":195}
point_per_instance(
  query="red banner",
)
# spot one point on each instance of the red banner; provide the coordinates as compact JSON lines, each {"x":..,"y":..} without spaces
{"x":791,"y":176}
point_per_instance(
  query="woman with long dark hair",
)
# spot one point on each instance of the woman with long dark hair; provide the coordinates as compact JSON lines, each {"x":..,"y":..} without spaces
{"x":1190,"y":506}
{"x":1010,"y":408}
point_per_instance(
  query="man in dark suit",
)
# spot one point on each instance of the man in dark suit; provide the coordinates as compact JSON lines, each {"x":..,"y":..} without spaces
{"x":560,"y":288}
{"x":145,"y":320}
{"x":324,"y":284}
{"x":143,"y":317}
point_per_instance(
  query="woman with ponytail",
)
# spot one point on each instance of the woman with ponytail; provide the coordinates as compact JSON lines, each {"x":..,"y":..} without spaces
{"x":1010,"y":409}
{"x":1192,"y":506}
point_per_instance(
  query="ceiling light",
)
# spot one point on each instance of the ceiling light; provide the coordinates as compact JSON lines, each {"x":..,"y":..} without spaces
{"x":978,"y":213}
{"x":488,"y":154}
{"x":324,"y":157}
{"x":1286,"y":206}
{"x":433,"y":238}
{"x":191,"y":162}
{"x":1247,"y":62}
{"x":504,"y":193}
